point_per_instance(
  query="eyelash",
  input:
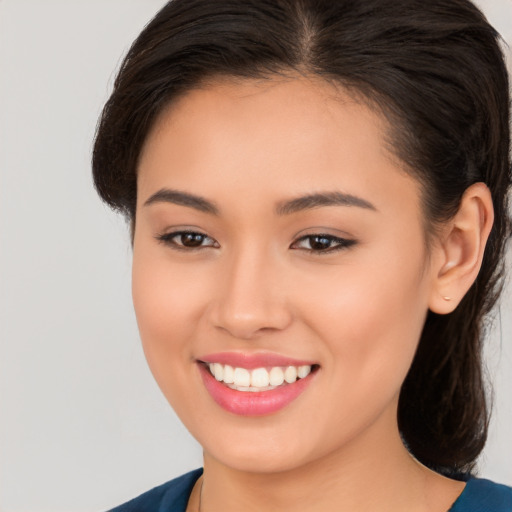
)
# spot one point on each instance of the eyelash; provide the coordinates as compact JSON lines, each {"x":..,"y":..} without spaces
{"x":168,"y":239}
{"x":342,"y":243}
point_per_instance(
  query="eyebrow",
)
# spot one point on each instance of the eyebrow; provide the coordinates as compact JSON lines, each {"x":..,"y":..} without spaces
{"x":322,"y":199}
{"x":166,"y":195}
{"x":302,"y":203}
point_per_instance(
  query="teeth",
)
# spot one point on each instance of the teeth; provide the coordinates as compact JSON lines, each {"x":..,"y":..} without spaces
{"x":303,"y":371}
{"x":218,"y":371}
{"x":259,"y":379}
{"x":229,"y":374}
{"x":242,"y":377}
{"x":276,"y":376}
{"x":290,"y":374}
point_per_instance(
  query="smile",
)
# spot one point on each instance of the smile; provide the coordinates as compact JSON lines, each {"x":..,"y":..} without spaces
{"x":259,"y":379}
{"x":255,"y":385}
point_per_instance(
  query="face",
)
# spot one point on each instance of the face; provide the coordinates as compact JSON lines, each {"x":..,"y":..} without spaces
{"x":274,"y":231}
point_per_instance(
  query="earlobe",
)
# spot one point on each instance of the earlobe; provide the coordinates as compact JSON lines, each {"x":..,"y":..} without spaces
{"x":461,"y":249}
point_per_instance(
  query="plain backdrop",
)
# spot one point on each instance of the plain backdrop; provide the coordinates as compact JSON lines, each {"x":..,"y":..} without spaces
{"x":82,"y":424}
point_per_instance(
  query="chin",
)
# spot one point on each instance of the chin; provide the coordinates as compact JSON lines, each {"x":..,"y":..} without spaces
{"x":262,"y":446}
{"x":257,"y":459}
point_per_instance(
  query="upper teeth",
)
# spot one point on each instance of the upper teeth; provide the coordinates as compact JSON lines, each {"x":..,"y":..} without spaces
{"x":259,"y":378}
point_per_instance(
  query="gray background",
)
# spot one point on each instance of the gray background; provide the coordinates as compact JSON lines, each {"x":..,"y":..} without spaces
{"x":82,"y":424}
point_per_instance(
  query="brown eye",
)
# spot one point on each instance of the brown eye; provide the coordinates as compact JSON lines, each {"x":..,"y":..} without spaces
{"x":192,"y":239}
{"x":184,"y":240}
{"x":322,"y":243}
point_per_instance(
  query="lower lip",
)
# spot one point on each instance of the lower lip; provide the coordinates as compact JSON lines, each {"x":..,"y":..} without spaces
{"x":252,"y":403}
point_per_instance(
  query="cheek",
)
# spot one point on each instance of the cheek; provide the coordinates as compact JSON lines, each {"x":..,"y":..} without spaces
{"x":370,"y":331}
{"x":371,"y":319}
{"x":167,"y":304}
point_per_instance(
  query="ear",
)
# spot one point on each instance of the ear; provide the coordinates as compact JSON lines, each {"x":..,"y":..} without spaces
{"x":461,"y":248}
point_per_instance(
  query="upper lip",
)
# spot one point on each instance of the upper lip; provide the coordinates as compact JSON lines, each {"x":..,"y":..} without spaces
{"x":253,"y":360}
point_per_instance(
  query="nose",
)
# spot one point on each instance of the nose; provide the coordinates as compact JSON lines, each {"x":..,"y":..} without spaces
{"x":252,"y":297}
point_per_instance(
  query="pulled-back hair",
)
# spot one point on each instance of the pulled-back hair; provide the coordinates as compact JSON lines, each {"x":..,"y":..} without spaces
{"x":434,"y":69}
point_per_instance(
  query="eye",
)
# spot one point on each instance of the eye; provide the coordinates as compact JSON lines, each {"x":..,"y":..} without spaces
{"x":187,"y":240}
{"x":321,"y":243}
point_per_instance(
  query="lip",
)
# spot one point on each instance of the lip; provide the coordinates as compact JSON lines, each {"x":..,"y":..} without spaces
{"x":252,"y":361}
{"x":253,"y":403}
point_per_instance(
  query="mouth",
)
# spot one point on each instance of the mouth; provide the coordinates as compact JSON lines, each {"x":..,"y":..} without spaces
{"x":254,"y":388}
{"x":259,"y":379}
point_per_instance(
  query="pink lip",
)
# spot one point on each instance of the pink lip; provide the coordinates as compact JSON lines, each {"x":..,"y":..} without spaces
{"x":252,"y":361}
{"x":248,"y":403}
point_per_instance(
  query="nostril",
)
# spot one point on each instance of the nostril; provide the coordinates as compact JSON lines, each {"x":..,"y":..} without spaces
{"x":250,"y":326}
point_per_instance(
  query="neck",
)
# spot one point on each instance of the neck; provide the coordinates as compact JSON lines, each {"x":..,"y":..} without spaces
{"x":369,"y":473}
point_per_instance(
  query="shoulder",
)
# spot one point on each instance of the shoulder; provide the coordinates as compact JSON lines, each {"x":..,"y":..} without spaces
{"x":169,"y":497}
{"x":482,"y":495}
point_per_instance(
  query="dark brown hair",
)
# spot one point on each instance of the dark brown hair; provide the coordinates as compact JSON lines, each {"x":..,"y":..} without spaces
{"x":433,"y":68}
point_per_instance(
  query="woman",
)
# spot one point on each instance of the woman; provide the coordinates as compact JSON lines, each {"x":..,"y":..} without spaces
{"x":317,"y":193}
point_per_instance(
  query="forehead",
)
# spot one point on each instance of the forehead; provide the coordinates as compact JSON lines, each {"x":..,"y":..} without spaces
{"x":308,"y":102}
{"x":285,"y":135}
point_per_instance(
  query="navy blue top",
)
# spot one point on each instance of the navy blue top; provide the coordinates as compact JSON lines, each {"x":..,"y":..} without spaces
{"x":481,"y":495}
{"x":478,"y":496}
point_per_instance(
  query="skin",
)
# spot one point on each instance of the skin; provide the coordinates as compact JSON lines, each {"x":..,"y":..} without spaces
{"x":255,"y":286}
